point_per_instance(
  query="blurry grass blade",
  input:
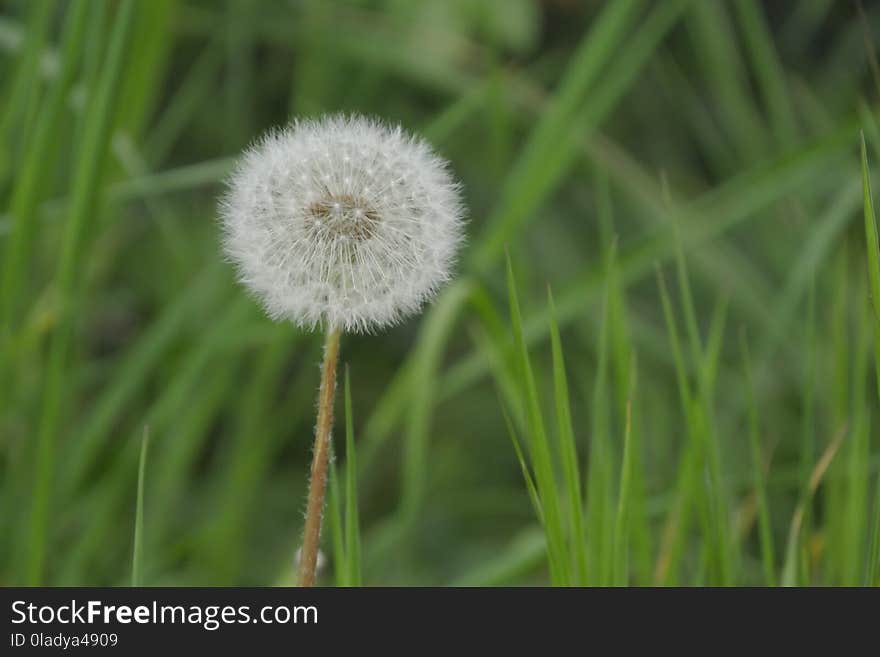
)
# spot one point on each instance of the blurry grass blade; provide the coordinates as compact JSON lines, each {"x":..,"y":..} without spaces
{"x":684,"y":388}
{"x":764,"y":527}
{"x":600,"y":532}
{"x":770,"y":73}
{"x":149,"y":50}
{"x":621,"y":524}
{"x":352,"y":525}
{"x":493,"y":339}
{"x":539,"y":446}
{"x":873,"y":250}
{"x":24,"y":83}
{"x":858,"y":452}
{"x":715,"y":342}
{"x":137,"y":558}
{"x":720,"y":55}
{"x":684,"y":284}
{"x":568,"y":452}
{"x":690,"y":492}
{"x":527,"y":475}
{"x":436,"y":328}
{"x":790,"y":569}
{"x":872,"y":572}
{"x":337,"y":533}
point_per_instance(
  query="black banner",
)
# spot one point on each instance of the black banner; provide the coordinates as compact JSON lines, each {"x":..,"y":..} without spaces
{"x":133,"y":621}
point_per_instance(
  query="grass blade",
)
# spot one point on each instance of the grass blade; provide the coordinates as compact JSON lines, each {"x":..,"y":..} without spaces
{"x":527,"y":475}
{"x":428,"y":352}
{"x":24,"y":84}
{"x":873,"y":249}
{"x":768,"y":69}
{"x":137,"y":556}
{"x":621,"y":527}
{"x":600,"y":547}
{"x":872,"y":571}
{"x":872,"y":243}
{"x":352,"y":526}
{"x":539,"y":447}
{"x":759,"y":479}
{"x":337,"y":533}
{"x":790,"y":569}
{"x":568,"y":452}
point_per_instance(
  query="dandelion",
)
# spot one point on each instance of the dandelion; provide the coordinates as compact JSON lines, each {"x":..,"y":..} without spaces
{"x":344,"y":224}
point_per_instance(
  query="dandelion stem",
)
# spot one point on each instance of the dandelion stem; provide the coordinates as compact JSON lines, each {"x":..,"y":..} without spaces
{"x":318,"y":483}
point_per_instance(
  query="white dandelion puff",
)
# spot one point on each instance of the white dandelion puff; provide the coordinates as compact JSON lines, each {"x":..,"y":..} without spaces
{"x":342,"y":222}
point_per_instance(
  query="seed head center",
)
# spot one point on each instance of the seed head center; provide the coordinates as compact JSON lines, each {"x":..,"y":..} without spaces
{"x":346,"y":217}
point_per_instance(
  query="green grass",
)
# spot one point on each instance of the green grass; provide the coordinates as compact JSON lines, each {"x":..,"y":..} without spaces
{"x":95,"y":140}
{"x":686,"y":177}
{"x":872,"y":243}
{"x":765,"y":528}
{"x":344,"y":526}
{"x":137,"y":553}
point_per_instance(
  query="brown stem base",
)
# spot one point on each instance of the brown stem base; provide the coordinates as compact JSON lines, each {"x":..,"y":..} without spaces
{"x":318,"y":483}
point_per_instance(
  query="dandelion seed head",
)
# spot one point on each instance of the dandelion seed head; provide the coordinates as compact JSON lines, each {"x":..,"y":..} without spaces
{"x":342,"y":222}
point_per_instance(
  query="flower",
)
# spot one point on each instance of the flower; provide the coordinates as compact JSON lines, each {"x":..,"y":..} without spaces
{"x":342,"y":222}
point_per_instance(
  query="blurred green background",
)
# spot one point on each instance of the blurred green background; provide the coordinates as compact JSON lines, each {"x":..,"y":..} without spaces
{"x":614,"y":149}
